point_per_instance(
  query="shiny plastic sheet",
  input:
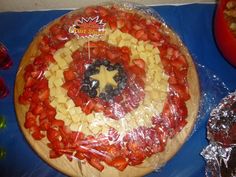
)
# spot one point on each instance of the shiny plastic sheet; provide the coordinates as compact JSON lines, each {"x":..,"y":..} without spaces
{"x":107,"y":89}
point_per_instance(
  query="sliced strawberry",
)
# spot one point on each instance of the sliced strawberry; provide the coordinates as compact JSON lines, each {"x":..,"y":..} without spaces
{"x":88,"y":108}
{"x":36,"y":133}
{"x":44,"y":95}
{"x":79,"y":155}
{"x":179,"y":63}
{"x":53,"y":154}
{"x":55,"y":29}
{"x":44,"y":124}
{"x":120,"y":163}
{"x":139,"y":34}
{"x":96,"y":164}
{"x":120,"y":23}
{"x":52,"y":134}
{"x":112,"y":55}
{"x":38,"y":109}
{"x":69,"y":75}
{"x":30,"y":120}
{"x":113,"y":25}
{"x":102,"y":11}
{"x":140,"y":63}
{"x":30,"y":82}
{"x":90,"y":11}
{"x":57,"y":123}
{"x":180,"y":91}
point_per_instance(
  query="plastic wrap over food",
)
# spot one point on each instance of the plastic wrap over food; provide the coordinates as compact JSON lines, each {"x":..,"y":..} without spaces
{"x":107,"y":89}
{"x":221,"y":132}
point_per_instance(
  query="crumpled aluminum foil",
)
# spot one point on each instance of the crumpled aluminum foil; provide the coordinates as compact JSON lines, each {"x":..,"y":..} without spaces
{"x":220,"y":154}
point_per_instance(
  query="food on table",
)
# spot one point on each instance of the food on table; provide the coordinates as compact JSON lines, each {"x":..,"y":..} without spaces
{"x":230,"y":15}
{"x":107,"y":90}
{"x":221,"y":132}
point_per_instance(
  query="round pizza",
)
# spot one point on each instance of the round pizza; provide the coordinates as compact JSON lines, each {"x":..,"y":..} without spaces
{"x":107,"y":90}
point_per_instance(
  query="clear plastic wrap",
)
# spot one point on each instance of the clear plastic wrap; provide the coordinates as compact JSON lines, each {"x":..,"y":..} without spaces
{"x":107,"y":90}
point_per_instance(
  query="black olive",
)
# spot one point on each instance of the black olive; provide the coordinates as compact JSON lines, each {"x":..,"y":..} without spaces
{"x":86,"y":81}
{"x":121,"y":85}
{"x":106,"y":63}
{"x":87,"y":74}
{"x":108,"y":88}
{"x":95,"y":71}
{"x":116,"y":91}
{"x":110,"y":68}
{"x":85,"y":88}
{"x":94,"y":84}
{"x":97,"y":63}
{"x":91,"y":68}
{"x":102,"y":95}
{"x":92,"y":93}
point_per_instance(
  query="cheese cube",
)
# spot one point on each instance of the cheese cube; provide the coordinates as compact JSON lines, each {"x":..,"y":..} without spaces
{"x":70,"y":104}
{"x":58,"y":82}
{"x":74,"y":126}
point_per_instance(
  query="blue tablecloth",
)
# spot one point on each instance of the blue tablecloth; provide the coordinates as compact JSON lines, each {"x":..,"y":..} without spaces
{"x":194,"y":25}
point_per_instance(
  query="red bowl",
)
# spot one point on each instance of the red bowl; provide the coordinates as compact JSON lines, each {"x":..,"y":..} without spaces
{"x":224,"y":37}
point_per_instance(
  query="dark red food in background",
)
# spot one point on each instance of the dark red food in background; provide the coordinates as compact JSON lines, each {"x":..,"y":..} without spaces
{"x":224,"y":37}
{"x":220,"y":154}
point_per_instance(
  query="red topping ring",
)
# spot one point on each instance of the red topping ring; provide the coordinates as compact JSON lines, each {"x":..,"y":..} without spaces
{"x":121,"y":104}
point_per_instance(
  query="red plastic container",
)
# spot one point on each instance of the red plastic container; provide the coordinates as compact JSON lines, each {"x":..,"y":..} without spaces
{"x":224,"y":37}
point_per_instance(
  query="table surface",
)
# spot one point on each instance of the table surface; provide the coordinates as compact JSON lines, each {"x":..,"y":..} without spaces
{"x":194,"y":25}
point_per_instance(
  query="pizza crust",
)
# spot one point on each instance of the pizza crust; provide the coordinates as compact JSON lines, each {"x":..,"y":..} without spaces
{"x":82,"y":168}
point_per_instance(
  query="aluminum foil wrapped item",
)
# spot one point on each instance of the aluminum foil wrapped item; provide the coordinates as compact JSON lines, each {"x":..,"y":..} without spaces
{"x":221,"y":132}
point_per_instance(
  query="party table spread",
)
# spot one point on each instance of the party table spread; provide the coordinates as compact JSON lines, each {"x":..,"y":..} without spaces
{"x":192,"y":22}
